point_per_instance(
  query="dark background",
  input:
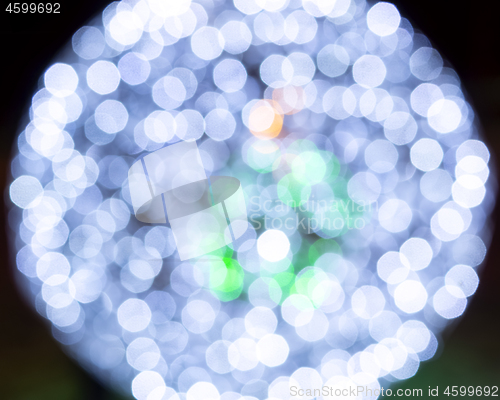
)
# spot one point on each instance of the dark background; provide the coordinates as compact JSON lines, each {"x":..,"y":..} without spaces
{"x":32,"y":365}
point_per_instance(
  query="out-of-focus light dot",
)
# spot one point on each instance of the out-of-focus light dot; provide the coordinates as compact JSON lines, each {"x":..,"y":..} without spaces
{"x":426,"y":154}
{"x":126,"y":27}
{"x":369,"y":71}
{"x":230,"y":75}
{"x":473,"y":148}
{"x":264,"y":119}
{"x":85,"y":241}
{"x":198,"y":316}
{"x":367,"y":301}
{"x":248,"y":7}
{"x":410,"y":296}
{"x":61,"y":80}
{"x":159,"y":126}
{"x":265,"y":292}
{"x":297,"y":310}
{"x":300,"y":27}
{"x":339,"y":102}
{"x":220,"y":124}
{"x":381,"y":156}
{"x":103,"y":77}
{"x":88,"y":42}
{"x":188,"y":80}
{"x":449,"y":301}
{"x":111,"y":116}
{"x":318,"y":8}
{"x":26,"y":191}
{"x":424,"y":96}
{"x":237,"y":37}
{"x":51,"y":264}
{"x":384,"y":325}
{"x":190,"y":125}
{"x":306,"y":379}
{"x":393,"y":267}
{"x":207,"y":43}
{"x":472,"y":165}
{"x":243,"y":355}
{"x":143,"y":354}
{"x":383,"y":19}
{"x":303,"y":68}
{"x":315,"y":329}
{"x":276,"y":71}
{"x":444,"y":116}
{"x":469,"y":250}
{"x":395,"y":215}
{"x":418,"y":252}
{"x":364,"y":188}
{"x":426,"y":64}
{"x":134,"y":68}
{"x":145,"y":383}
{"x":169,"y":92}
{"x":468,"y":191}
{"x":449,"y":221}
{"x":203,"y":391}
{"x":134,"y":315}
{"x":333,"y":60}
{"x":260,"y":321}
{"x":217,"y":357}
{"x":400,"y":128}
{"x":88,"y":285}
{"x":272,"y":350}
{"x":436,"y":185}
{"x":464,"y":277}
{"x":271,"y":5}
{"x":273,"y":245}
{"x":414,"y":335}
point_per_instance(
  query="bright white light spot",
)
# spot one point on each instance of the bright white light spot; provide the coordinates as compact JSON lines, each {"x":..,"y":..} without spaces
{"x":243,"y":354}
{"x":383,"y":19}
{"x":103,"y":77}
{"x":134,"y":315}
{"x":400,"y":128}
{"x":436,"y":185}
{"x":260,"y":321}
{"x":220,"y":124}
{"x":410,"y":296}
{"x":272,"y":350}
{"x":381,"y":156}
{"x":333,"y":60}
{"x":145,"y":383}
{"x":134,"y":68}
{"x":203,"y":391}
{"x":464,"y":277}
{"x":207,"y":43}
{"x":273,"y":245}
{"x":369,"y":71}
{"x":368,"y":301}
{"x":426,"y":154}
{"x":25,"y":191}
{"x":126,"y":27}
{"x":395,"y":215}
{"x":444,"y":116}
{"x":418,"y":252}
{"x":230,"y":75}
{"x":111,"y":116}
{"x":449,"y":301}
{"x":61,"y":80}
{"x":424,"y":96}
{"x":426,"y":63}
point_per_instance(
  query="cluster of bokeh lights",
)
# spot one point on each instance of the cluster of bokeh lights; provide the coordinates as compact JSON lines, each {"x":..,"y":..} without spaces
{"x":366,"y":183}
